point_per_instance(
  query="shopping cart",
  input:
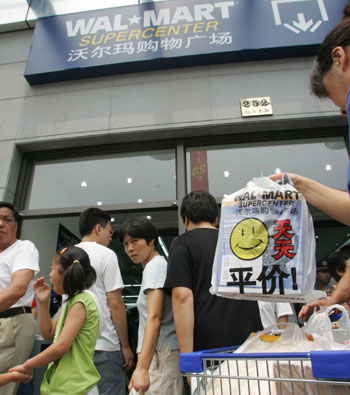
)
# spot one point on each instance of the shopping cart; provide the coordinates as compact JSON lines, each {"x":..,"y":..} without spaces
{"x":221,"y":371}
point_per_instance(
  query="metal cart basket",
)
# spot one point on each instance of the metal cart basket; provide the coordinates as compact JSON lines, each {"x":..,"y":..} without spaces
{"x":223,"y":372}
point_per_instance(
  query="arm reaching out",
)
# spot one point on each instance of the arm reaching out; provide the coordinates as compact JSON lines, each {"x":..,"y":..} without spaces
{"x":340,"y":295}
{"x":332,"y":202}
{"x":336,"y":204}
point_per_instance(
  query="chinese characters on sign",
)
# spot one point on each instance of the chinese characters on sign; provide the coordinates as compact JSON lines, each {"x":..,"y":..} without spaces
{"x":249,"y":240}
{"x":177,"y":33}
{"x":260,"y":249}
{"x":131,"y":47}
{"x":274,"y":274}
{"x":283,"y":239}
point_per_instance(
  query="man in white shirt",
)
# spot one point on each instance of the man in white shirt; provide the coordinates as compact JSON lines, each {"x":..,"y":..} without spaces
{"x":112,"y":353}
{"x":19,"y":263}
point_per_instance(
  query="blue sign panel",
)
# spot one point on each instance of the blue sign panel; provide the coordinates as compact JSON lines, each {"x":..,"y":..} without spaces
{"x":175,"y":34}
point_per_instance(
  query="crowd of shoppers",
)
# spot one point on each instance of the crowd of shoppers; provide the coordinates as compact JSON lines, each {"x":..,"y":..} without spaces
{"x":177,"y":313}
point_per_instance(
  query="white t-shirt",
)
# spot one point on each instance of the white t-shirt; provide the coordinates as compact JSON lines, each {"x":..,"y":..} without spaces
{"x":20,"y":255}
{"x":153,"y":277}
{"x":108,"y":278}
{"x":271,"y":311}
{"x":97,"y":301}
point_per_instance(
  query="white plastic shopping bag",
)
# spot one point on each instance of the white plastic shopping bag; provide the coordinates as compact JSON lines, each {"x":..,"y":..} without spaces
{"x":284,"y":338}
{"x":320,"y":324}
{"x":262,"y":372}
{"x":266,"y":245}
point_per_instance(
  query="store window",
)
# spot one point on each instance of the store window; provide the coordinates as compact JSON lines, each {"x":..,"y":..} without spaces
{"x":145,"y":183}
{"x":110,"y":180}
{"x":225,"y":169}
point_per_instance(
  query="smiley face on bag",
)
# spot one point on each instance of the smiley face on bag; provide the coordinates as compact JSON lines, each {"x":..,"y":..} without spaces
{"x":249,"y":239}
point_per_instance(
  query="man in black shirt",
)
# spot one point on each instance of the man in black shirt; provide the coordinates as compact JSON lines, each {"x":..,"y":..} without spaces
{"x":202,"y":320}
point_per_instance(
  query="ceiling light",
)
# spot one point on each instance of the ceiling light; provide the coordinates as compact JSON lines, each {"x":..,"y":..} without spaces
{"x":149,"y":217}
{"x":83,"y":184}
{"x":328,"y":167}
{"x":139,"y":201}
{"x":129,"y":180}
{"x":226,"y":173}
{"x":99,"y":203}
{"x":112,"y":219}
{"x":278,"y":170}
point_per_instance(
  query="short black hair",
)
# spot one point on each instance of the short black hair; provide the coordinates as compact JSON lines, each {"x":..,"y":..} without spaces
{"x":339,"y":36}
{"x":345,"y":248}
{"x":336,"y":262}
{"x":79,"y":274}
{"x":90,"y":218}
{"x":139,"y":228}
{"x":199,"y":206}
{"x":14,"y":211}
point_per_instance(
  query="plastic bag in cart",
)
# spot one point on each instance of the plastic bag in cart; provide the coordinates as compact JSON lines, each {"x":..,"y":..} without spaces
{"x":281,"y":338}
{"x":266,"y":245}
{"x":284,"y":337}
{"x":319,"y":323}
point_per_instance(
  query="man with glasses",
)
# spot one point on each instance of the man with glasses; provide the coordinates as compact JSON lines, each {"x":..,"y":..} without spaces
{"x":19,"y":263}
{"x":112,"y":353}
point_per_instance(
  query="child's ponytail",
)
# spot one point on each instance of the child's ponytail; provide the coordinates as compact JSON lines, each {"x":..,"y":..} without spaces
{"x":79,"y":274}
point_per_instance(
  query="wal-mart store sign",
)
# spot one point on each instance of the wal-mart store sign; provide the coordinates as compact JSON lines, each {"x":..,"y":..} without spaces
{"x":160,"y":35}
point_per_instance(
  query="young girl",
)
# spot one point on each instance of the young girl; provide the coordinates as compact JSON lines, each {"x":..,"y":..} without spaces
{"x":71,"y":369}
{"x":157,"y":369}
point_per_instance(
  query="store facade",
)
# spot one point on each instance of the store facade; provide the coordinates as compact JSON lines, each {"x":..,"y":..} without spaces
{"x":136,"y":143}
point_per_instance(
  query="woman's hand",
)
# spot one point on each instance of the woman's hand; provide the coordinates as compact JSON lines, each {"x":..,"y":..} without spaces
{"x":42,"y":290}
{"x":309,"y":308}
{"x":295,"y":178}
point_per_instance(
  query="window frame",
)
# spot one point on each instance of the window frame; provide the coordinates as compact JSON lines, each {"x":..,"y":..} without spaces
{"x":180,"y":145}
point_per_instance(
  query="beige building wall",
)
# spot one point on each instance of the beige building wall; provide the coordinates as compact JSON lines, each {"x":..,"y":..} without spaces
{"x":146,"y":106}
